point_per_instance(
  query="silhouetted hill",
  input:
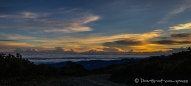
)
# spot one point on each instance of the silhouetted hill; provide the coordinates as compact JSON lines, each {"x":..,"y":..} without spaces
{"x":93,"y":64}
{"x":176,"y":67}
{"x":15,"y":69}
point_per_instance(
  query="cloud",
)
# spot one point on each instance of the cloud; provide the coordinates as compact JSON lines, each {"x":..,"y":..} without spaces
{"x":32,"y":50}
{"x":6,"y":40}
{"x":181,"y":35}
{"x":175,"y":11}
{"x":49,"y":22}
{"x":71,"y":29}
{"x":88,"y":19}
{"x":119,"y":40}
{"x":16,"y":37}
{"x":127,"y":42}
{"x":175,"y":50}
{"x":111,"y":38}
{"x":112,"y":49}
{"x":147,"y":42}
{"x":16,"y":44}
{"x":43,"y":49}
{"x":134,"y":39}
{"x":20,"y":37}
{"x":10,"y":46}
{"x":18,"y":50}
{"x":21,"y":15}
{"x":163,"y":37}
{"x":59,"y":49}
{"x":91,"y":50}
{"x":132,"y":51}
{"x":170,"y":42}
{"x":181,"y":26}
{"x":149,"y":35}
{"x":30,"y":15}
{"x":179,"y":10}
{"x":77,"y":25}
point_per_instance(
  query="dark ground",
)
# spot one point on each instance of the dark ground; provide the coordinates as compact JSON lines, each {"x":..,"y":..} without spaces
{"x":92,"y":80}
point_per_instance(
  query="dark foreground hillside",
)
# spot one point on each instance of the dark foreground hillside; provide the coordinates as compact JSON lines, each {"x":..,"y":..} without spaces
{"x":173,"y":70}
{"x":14,"y":70}
{"x":91,"y":80}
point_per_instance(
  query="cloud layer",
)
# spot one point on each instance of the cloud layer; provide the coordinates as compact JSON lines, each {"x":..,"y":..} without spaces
{"x":49,"y":22}
{"x":94,"y":26}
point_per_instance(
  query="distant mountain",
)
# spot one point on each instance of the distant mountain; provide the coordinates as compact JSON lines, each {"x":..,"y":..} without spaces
{"x":92,"y":64}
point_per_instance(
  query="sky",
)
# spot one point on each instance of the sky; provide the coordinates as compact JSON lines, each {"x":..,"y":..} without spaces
{"x":98,"y":25}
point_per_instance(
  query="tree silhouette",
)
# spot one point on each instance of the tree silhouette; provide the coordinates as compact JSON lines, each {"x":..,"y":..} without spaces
{"x":175,"y":67}
{"x":16,"y":66}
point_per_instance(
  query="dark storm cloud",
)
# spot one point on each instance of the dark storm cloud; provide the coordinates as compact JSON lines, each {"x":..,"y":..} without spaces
{"x":170,"y":42}
{"x":181,"y":35}
{"x":122,"y":42}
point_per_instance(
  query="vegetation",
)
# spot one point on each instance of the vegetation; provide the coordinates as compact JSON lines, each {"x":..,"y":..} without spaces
{"x":19,"y":69}
{"x":174,"y":67}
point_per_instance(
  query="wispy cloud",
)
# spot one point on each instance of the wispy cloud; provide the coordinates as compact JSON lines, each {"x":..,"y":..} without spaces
{"x":13,"y":45}
{"x":70,"y":29}
{"x":76,"y":26}
{"x":181,"y":26}
{"x":6,"y":40}
{"x":179,"y":10}
{"x":16,"y":44}
{"x":49,"y":22}
{"x":30,"y":15}
{"x":20,"y":37}
{"x":17,"y":37}
{"x":23,"y":15}
{"x":175,"y":11}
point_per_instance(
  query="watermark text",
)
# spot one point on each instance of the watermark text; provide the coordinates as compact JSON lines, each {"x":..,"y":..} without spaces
{"x":141,"y":80}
